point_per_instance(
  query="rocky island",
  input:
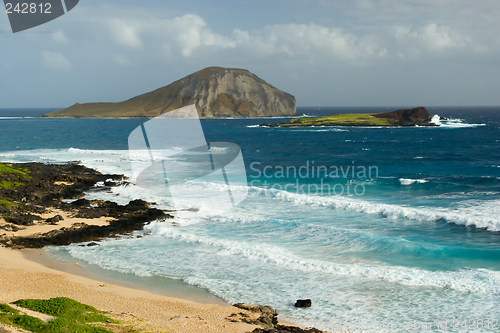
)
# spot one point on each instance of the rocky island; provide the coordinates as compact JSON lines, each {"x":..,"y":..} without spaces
{"x":217,"y":93}
{"x":405,"y":117}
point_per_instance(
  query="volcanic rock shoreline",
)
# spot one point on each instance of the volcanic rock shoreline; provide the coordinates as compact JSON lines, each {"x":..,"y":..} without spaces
{"x":32,"y":189}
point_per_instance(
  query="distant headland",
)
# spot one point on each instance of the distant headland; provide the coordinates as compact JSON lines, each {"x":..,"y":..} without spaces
{"x":405,"y":117}
{"x":217,"y":92}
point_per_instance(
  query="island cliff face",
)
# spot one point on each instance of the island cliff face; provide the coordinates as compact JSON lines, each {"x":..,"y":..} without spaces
{"x":407,"y":117}
{"x":217,"y":93}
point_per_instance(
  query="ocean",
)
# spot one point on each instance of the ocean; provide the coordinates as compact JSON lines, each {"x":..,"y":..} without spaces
{"x":384,"y":229}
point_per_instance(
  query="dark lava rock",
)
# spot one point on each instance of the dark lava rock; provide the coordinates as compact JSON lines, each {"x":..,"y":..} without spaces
{"x":9,"y":227}
{"x":44,"y":186}
{"x":81,"y":232}
{"x":81,"y":203}
{"x":303,"y":303}
{"x":287,"y":329}
{"x":93,"y":244}
{"x":407,"y":117}
{"x":23,"y":219}
{"x":53,"y":220}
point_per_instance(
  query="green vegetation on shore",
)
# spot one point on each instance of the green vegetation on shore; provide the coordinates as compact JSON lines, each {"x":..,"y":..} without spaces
{"x":70,"y":316}
{"x":8,"y":185}
{"x":9,"y":175}
{"x":7,"y":204}
{"x":359,"y":119}
{"x":9,"y":169}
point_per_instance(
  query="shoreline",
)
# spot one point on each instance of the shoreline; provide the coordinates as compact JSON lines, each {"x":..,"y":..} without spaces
{"x":30,"y":273}
{"x":41,"y":257}
{"x":35,"y":216}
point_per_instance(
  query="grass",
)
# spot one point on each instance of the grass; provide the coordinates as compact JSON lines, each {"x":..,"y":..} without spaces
{"x":4,"y":308}
{"x":11,"y":316}
{"x":8,"y":185}
{"x":7,"y":204}
{"x":357,"y":119}
{"x":9,"y":169}
{"x":70,"y":316}
{"x":6,"y":171}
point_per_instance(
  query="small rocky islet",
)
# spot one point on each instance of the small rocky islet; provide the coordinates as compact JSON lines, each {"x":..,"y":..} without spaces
{"x":418,"y":116}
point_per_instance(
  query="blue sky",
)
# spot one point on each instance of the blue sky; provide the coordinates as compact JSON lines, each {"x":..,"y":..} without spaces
{"x":324,"y":52}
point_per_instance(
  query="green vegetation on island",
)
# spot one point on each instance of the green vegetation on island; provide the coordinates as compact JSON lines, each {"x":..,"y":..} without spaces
{"x":362,"y":119}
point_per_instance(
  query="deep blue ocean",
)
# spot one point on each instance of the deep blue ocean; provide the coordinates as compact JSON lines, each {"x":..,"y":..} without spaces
{"x":378,"y":226}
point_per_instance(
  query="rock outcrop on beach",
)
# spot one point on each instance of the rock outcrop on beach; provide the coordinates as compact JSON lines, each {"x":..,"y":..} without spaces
{"x":217,"y":93}
{"x":267,"y":319}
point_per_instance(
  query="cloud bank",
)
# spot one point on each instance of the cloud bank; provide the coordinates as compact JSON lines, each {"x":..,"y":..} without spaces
{"x":351,"y":53}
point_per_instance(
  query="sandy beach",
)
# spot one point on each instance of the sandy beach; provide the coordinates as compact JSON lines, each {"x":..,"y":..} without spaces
{"x":22,"y":278}
{"x":31,"y":274}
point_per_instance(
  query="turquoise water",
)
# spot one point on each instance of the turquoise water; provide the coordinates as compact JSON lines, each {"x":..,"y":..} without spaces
{"x":412,"y":238}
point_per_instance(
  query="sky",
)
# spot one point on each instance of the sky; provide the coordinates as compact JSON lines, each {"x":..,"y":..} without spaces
{"x":324,"y":52}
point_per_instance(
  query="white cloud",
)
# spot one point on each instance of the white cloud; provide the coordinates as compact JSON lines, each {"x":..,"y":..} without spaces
{"x":121,"y":59}
{"x":440,"y":38}
{"x":189,"y":36}
{"x":127,"y":31}
{"x":56,"y":61}
{"x":152,"y":46}
{"x":136,"y":28}
{"x":59,"y":37}
{"x":430,"y":40}
{"x":191,"y":33}
{"x":124,"y":33}
{"x":310,"y":41}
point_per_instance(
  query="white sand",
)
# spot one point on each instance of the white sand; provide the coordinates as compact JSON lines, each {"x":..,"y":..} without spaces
{"x":22,"y":278}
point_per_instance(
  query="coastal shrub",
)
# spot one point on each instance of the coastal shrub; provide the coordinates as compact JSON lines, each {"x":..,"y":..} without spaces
{"x":63,"y":307}
{"x":8,"y":169}
{"x":341,"y":119}
{"x":67,"y":325}
{"x":71,"y":316}
{"x":8,"y":185}
{"x":4,"y":308}
{"x":7,"y":204}
{"x":28,"y":323}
